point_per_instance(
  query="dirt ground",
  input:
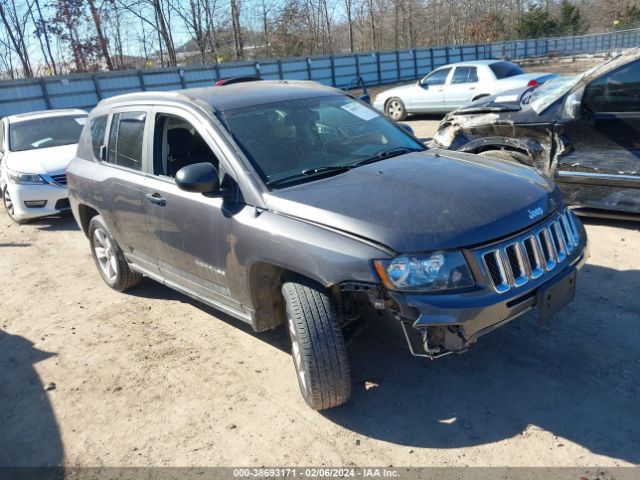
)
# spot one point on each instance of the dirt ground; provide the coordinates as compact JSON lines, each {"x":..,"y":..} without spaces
{"x":91,"y":377}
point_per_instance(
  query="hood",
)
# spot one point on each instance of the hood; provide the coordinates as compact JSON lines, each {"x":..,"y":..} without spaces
{"x":423,"y":201}
{"x":396,"y":91}
{"x":507,"y":101}
{"x":48,"y":161}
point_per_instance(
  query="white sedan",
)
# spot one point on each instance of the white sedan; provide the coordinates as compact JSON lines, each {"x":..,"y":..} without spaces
{"x":451,"y":86}
{"x":35,"y":149}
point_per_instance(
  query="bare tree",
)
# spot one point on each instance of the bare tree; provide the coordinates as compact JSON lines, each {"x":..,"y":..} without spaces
{"x":15,"y":24}
{"x":102,"y":41}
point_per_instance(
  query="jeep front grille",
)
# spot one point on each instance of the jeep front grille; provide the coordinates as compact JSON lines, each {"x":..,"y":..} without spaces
{"x":514,"y":263}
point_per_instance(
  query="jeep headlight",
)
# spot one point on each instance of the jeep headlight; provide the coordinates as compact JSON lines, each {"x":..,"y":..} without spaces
{"x":436,"y":271}
{"x":24,"y":178}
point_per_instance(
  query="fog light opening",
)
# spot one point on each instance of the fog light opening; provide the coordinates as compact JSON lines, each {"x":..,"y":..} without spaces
{"x":35,"y":203}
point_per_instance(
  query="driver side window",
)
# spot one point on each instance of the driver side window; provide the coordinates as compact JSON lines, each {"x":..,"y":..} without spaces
{"x":617,"y":91}
{"x":439,"y":77}
{"x":178,"y":144}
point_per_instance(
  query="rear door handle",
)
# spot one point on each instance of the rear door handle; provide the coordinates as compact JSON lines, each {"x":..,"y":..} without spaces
{"x":156,"y":199}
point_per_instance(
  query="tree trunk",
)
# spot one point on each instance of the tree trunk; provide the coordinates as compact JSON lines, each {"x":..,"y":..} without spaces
{"x":102,"y":41}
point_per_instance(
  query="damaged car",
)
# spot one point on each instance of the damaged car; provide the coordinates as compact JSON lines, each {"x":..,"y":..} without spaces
{"x":582,"y":131}
{"x":290,"y":204}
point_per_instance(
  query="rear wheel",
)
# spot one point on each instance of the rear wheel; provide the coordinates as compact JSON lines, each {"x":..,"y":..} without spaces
{"x":112,"y":265}
{"x":395,"y":109}
{"x":317,"y":344}
{"x":10,"y":207}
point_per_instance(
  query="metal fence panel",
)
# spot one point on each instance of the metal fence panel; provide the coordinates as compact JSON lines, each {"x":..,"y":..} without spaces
{"x":375,"y":68}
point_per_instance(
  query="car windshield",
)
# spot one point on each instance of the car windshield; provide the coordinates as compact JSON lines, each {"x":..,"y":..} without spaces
{"x":295,"y":141}
{"x":505,"y":70}
{"x":550,"y":91}
{"x":45,"y":132}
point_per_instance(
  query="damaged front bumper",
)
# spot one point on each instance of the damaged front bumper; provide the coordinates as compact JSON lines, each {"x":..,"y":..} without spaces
{"x":434,"y":325}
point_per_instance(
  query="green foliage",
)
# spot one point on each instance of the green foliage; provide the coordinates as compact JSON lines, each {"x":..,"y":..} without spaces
{"x":570,"y":21}
{"x":535,"y":23}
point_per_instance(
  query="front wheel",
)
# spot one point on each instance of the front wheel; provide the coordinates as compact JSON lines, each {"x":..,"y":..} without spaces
{"x":112,"y":265}
{"x":395,"y":109}
{"x":10,"y":207}
{"x":317,"y":344}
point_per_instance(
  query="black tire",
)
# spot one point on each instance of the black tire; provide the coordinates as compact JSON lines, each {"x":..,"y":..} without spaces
{"x":7,"y":202}
{"x":321,"y":361}
{"x":395,"y":109}
{"x":110,"y":261}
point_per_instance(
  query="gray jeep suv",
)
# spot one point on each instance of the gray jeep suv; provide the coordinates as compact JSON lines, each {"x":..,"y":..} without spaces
{"x":293,"y":203}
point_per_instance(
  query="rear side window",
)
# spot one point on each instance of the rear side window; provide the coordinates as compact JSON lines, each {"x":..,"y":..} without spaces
{"x":98,"y":128}
{"x":465,"y":75}
{"x":505,"y":70}
{"x":125,"y":140}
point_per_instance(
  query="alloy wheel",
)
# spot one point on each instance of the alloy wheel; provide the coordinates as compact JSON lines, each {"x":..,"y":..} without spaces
{"x":106,"y":255}
{"x":394,"y":109}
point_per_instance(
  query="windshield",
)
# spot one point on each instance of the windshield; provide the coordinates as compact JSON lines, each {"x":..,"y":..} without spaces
{"x":550,"y":91}
{"x":299,"y":140}
{"x":505,"y":70}
{"x":45,"y":132}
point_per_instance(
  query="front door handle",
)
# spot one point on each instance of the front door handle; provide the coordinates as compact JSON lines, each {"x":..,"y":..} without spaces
{"x":472,"y":88}
{"x":156,"y":199}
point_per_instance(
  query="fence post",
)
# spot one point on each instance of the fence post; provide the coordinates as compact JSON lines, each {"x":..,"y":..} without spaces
{"x":45,"y":93}
{"x":357,"y":65}
{"x":446,"y":54}
{"x":461,"y":53}
{"x":333,"y":70}
{"x":377,"y":54}
{"x":309,"y":68}
{"x":415,"y":63}
{"x":256,"y":65}
{"x":216,"y":67}
{"x":143,"y":87}
{"x":477,"y":52}
{"x":431,"y":58}
{"x":280,"y":69}
{"x":398,"y":63}
{"x":96,"y":85}
{"x":183,"y":80}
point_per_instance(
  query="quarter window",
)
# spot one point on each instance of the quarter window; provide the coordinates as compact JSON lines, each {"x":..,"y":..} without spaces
{"x":125,"y":139}
{"x":98,"y":128}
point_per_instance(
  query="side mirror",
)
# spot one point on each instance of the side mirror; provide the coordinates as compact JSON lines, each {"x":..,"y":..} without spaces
{"x":572,"y":105}
{"x":407,"y":128}
{"x":198,"y":178}
{"x":103,"y":153}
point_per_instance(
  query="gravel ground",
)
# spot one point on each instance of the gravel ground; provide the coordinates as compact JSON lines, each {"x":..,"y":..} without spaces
{"x":91,"y":377}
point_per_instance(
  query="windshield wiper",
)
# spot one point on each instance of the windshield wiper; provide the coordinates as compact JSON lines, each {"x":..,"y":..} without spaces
{"x":384,"y":154}
{"x":309,"y":172}
{"x":335,"y":169}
